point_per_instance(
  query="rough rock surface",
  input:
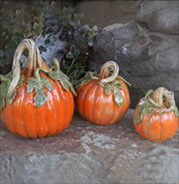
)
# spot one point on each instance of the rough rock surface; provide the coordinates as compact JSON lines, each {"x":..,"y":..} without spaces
{"x":86,"y":153}
{"x":160,"y":16}
{"x":146,"y":59}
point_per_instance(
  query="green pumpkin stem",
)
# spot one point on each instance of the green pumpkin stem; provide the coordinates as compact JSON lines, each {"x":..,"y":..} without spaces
{"x":56,"y":64}
{"x":58,"y":75}
{"x":37,"y":72}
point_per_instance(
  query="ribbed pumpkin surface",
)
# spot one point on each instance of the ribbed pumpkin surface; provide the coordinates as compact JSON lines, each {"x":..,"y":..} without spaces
{"x":97,"y":107}
{"x":103,"y":99}
{"x":23,"y":116}
{"x":157,"y":127}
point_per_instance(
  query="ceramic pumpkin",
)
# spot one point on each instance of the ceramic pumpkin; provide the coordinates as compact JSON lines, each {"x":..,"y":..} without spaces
{"x":103,"y":99}
{"x":35,"y":101}
{"x":156,"y":115}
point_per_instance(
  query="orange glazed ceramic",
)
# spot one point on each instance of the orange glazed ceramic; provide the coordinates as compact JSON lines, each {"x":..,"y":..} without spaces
{"x":156,"y":115}
{"x":35,"y":101}
{"x":103,"y":99}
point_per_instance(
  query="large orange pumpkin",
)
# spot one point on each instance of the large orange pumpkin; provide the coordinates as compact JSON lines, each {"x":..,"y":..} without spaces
{"x":37,"y":103}
{"x":105,"y":99}
{"x":156,"y":116}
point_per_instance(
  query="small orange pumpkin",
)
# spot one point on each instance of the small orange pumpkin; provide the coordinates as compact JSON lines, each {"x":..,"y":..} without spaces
{"x":156,"y":116}
{"x":105,"y":99}
{"x":37,"y":103}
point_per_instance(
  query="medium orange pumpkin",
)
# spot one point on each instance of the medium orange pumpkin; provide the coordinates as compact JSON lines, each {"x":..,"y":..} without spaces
{"x":38,"y":103}
{"x":156,"y":116}
{"x":105,"y":99}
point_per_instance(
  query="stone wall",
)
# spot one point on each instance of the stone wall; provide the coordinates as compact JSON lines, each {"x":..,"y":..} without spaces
{"x":159,"y":16}
{"x":145,"y":49}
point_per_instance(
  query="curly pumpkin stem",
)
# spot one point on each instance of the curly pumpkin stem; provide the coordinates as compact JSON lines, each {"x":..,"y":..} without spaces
{"x":34,"y":60}
{"x":105,"y":72}
{"x":158,"y":97}
{"x":56,"y":64}
{"x":37,"y":73}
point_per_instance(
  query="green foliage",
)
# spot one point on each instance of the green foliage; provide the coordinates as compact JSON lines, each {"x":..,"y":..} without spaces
{"x":32,"y":19}
{"x":88,"y":34}
{"x":19,"y":20}
{"x":75,"y":61}
{"x":59,"y":13}
{"x":75,"y":64}
{"x":28,"y":19}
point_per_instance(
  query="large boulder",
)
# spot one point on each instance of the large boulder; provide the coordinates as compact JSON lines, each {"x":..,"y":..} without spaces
{"x":146,"y":59}
{"x":160,"y":16}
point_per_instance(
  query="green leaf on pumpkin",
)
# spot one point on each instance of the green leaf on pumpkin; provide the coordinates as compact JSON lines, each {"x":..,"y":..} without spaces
{"x":117,"y":84}
{"x":34,"y":83}
{"x":144,"y":107}
{"x":114,"y":86}
{"x":117,"y":96}
{"x":107,"y":89}
{"x":87,"y":77}
{"x":31,"y":84}
{"x":46,"y":83}
{"x":40,"y":98}
{"x":4,"y":86}
{"x":119,"y":77}
{"x":176,"y":111}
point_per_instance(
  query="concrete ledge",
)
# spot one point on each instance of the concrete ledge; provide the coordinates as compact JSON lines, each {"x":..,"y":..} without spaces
{"x":86,"y":153}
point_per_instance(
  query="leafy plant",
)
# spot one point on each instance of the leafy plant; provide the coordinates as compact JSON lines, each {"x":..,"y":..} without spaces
{"x":28,"y":19}
{"x":19,"y":20}
{"x":33,"y":19}
{"x":75,"y":61}
{"x":88,"y":35}
{"x":59,"y":15}
{"x":75,"y":64}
